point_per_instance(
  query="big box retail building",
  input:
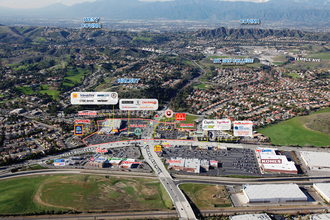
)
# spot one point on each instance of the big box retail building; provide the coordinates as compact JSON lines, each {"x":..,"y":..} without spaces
{"x":274,"y":193}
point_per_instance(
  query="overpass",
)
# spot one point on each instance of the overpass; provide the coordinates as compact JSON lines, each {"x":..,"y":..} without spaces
{"x":179,"y":200}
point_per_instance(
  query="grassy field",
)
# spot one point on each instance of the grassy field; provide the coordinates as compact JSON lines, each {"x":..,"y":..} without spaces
{"x":306,"y":65}
{"x":278,"y":63}
{"x":26,"y":90}
{"x":293,"y":75}
{"x":96,"y":193}
{"x":189,"y":119}
{"x":215,"y":57}
{"x":81,"y":193}
{"x":294,"y":131}
{"x":16,"y":195}
{"x":281,"y":58}
{"x":202,"y":195}
{"x":142,"y":38}
{"x":50,"y":91}
{"x":201,"y":86}
{"x":74,"y":75}
{"x":325,"y":56}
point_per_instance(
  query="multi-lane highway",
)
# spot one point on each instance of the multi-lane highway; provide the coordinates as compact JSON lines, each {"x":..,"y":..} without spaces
{"x":179,"y":200}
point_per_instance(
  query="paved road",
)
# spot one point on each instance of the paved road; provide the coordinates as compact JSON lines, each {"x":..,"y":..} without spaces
{"x":179,"y":200}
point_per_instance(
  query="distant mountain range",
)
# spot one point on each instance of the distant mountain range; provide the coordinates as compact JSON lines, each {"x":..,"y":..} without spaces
{"x":33,"y":34}
{"x":306,"y":11}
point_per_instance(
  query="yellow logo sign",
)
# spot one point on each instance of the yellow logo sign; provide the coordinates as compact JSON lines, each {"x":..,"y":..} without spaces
{"x":75,"y":95}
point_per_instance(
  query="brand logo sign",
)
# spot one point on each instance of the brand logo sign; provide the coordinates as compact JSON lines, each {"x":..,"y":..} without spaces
{"x":87,"y":113}
{"x":243,"y":128}
{"x":158,"y":149}
{"x":187,"y":125}
{"x":271,"y":161}
{"x":180,"y":116}
{"x":173,"y":161}
{"x":138,"y":104}
{"x":78,"y":129}
{"x":224,"y":124}
{"x":101,"y":151}
{"x":82,"y":121}
{"x":130,"y":162}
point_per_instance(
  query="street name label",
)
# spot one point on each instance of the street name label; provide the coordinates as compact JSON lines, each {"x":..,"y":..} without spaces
{"x":94,"y":98}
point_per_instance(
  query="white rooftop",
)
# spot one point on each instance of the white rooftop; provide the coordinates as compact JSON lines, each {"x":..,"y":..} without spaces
{"x":324,"y":188}
{"x":316,"y":159}
{"x":274,"y":191}
{"x":250,"y":217}
{"x":320,"y":217}
{"x":285,"y":165}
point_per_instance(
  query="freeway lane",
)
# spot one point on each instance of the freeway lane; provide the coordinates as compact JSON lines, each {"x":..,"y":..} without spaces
{"x":126,"y":215}
{"x":179,"y":200}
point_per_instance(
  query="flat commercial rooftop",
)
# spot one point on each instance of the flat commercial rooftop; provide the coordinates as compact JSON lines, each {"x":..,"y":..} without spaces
{"x":250,"y":217}
{"x":316,"y":159}
{"x":270,"y":154}
{"x":274,"y":193}
{"x":320,"y":217}
{"x":323,"y":189}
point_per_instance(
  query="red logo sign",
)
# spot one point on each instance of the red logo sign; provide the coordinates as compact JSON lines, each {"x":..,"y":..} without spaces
{"x":82,"y":121}
{"x":87,"y":112}
{"x":169,"y":113}
{"x":101,"y":151}
{"x":173,"y":161}
{"x":271,"y":161}
{"x":130,"y":162}
{"x":187,"y":125}
{"x":180,"y":116}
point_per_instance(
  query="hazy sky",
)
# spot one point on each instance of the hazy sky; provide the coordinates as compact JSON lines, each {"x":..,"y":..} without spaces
{"x":42,"y":3}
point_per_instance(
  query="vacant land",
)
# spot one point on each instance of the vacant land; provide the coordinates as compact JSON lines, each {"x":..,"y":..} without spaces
{"x":297,"y":131}
{"x":81,"y":193}
{"x":281,"y":58}
{"x":16,"y":195}
{"x":95,"y":193}
{"x":206,"y":196}
{"x":319,"y":122}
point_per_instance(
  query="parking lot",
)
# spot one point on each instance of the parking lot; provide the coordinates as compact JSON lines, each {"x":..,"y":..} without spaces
{"x":99,"y":139}
{"x":231,"y":162}
{"x":120,"y":152}
{"x":167,"y":132}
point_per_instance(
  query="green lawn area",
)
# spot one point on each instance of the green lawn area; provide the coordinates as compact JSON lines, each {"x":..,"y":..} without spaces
{"x":16,"y":195}
{"x":188,"y":62}
{"x":46,"y":89}
{"x":26,"y":90}
{"x":278,"y":63}
{"x":40,"y":39}
{"x":189,"y":119}
{"x":280,"y":58}
{"x":81,"y":193}
{"x":325,"y":56}
{"x":142,"y":38}
{"x":294,"y":75}
{"x":216,"y":57}
{"x":294,"y":132}
{"x":202,"y":195}
{"x":201,"y":86}
{"x":74,"y":75}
